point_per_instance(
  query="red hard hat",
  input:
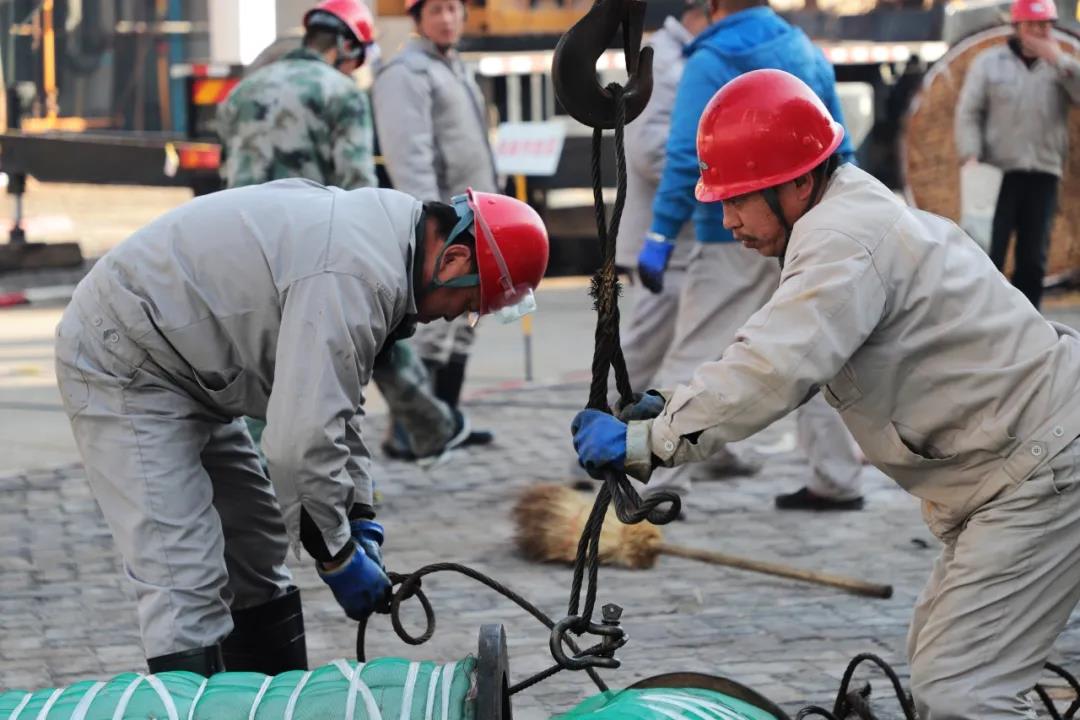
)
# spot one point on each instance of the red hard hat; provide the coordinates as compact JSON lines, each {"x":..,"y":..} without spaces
{"x":1033,"y":11}
{"x":353,"y":14}
{"x":511,"y":250}
{"x":762,"y":129}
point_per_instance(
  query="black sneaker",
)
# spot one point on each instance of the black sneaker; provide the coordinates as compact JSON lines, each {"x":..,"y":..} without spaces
{"x":804,"y":499}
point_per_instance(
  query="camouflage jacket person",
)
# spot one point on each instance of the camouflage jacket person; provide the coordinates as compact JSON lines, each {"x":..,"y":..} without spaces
{"x":297,"y":117}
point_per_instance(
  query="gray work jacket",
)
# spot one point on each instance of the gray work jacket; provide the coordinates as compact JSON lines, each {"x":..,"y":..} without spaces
{"x":646,"y":148}
{"x":272,"y":301}
{"x":1017,"y":118}
{"x":431,"y":123}
{"x":950,"y":380}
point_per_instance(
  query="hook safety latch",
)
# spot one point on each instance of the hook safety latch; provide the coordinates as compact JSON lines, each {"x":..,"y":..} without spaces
{"x":573,"y":70}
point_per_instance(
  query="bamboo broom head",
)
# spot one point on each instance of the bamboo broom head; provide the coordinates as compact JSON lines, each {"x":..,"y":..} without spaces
{"x":550,"y":519}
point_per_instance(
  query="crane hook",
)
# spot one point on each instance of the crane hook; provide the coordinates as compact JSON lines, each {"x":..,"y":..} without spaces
{"x":573,"y":70}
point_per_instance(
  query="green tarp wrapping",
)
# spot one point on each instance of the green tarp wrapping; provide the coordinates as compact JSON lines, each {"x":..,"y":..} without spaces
{"x":665,"y":704}
{"x":387,"y":688}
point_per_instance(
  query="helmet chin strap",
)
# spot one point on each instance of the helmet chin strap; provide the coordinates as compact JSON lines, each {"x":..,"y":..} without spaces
{"x":464,"y":226}
{"x":772,"y":198}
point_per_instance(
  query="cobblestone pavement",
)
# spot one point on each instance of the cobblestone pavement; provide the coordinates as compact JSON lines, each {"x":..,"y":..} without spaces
{"x":66,"y":614}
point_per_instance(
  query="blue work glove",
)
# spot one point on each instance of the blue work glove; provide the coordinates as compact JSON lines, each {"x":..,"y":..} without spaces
{"x":600,"y":441}
{"x":360,"y":585}
{"x":369,"y":535}
{"x":643,"y":407}
{"x":653,"y":261}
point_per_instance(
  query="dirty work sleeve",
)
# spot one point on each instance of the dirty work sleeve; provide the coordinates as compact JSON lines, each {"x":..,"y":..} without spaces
{"x":403,"y":119}
{"x":971,"y":112}
{"x":829,"y":300}
{"x":331,"y":327}
{"x":359,"y":465}
{"x":353,"y":142}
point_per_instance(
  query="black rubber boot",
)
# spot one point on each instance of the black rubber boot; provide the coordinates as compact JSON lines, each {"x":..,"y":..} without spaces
{"x":268,"y":638}
{"x":201,"y":661}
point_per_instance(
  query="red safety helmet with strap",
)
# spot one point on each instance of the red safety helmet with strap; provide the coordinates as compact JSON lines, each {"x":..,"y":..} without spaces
{"x":354,"y":15}
{"x":762,"y":129}
{"x":1033,"y":11}
{"x":511,"y":252}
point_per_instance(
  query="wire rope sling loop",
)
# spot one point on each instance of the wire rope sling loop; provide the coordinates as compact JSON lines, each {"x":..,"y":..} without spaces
{"x":611,"y":107}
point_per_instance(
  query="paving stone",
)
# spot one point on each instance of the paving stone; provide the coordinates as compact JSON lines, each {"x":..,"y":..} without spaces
{"x":66,"y":614}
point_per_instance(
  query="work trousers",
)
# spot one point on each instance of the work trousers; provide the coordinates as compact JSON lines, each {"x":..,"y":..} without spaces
{"x":999,"y":595}
{"x":649,"y":330}
{"x":724,"y":285}
{"x":436,"y":341}
{"x":1026,"y":205}
{"x":403,"y":380}
{"x":191,"y":511}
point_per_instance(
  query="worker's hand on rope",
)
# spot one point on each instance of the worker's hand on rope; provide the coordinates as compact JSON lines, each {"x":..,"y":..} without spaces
{"x":600,"y":441}
{"x":644,"y":406}
{"x":359,"y":582}
{"x":653,"y":261}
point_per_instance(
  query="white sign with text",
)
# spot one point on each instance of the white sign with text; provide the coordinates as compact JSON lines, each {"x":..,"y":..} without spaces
{"x":529,"y":148}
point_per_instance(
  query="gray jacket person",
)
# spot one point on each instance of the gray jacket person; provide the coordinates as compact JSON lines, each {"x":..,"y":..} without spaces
{"x":1013,"y":113}
{"x":432,"y":126}
{"x":273,"y":301}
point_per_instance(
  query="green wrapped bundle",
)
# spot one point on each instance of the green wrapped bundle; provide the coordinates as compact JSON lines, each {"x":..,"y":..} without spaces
{"x":665,"y":704}
{"x":388,"y":688}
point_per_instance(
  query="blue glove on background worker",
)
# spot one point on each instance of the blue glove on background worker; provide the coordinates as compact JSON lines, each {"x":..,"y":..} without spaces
{"x":653,"y":261}
{"x":600,"y":441}
{"x":360,"y":584}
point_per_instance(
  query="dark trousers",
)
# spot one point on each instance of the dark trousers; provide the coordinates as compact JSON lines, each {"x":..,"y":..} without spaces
{"x":1026,"y":204}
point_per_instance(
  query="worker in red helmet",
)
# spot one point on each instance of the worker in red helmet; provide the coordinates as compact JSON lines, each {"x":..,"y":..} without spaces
{"x":432,"y":124}
{"x":1013,"y":113}
{"x":949,"y":379}
{"x":303,"y":115}
{"x":272,"y":301}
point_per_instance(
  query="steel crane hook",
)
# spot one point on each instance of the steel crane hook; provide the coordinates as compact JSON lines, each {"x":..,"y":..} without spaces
{"x":573,"y":70}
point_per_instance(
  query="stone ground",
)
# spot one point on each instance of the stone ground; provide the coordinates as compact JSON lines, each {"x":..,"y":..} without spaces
{"x":66,"y":614}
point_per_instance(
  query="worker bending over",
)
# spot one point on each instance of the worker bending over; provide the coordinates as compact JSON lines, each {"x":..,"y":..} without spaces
{"x":273,"y":301}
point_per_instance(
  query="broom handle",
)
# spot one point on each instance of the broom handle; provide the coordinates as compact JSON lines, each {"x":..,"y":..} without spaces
{"x":851,"y":585}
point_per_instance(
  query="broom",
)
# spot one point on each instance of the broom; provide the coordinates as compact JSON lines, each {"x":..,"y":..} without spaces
{"x":551,"y":518}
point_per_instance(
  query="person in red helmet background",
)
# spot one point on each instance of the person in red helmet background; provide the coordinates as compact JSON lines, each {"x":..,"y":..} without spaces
{"x":432,"y":123}
{"x":950,"y":381}
{"x":1013,"y":113}
{"x":272,"y":301}
{"x":303,"y":115}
